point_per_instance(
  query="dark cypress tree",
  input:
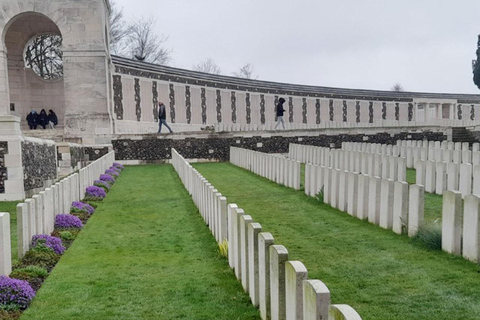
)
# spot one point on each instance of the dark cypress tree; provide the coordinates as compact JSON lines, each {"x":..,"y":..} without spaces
{"x":476,"y":68}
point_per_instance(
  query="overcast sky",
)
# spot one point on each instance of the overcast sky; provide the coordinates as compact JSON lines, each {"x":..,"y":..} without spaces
{"x":425,"y":45}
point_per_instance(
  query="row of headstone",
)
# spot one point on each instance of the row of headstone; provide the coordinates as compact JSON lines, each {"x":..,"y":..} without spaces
{"x":371,"y":164}
{"x":461,"y":227}
{"x":384,"y":202}
{"x":438,"y":177}
{"x":37,"y":214}
{"x":274,"y":167}
{"x":279,"y":287}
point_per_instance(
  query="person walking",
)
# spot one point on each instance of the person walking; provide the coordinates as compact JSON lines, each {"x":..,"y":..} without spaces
{"x":43,"y":119}
{"x":280,"y":112}
{"x":32,"y":119}
{"x":52,"y":119}
{"x":162,"y":117}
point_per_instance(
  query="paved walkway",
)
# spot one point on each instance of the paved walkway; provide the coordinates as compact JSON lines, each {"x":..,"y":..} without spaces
{"x":145,"y":254}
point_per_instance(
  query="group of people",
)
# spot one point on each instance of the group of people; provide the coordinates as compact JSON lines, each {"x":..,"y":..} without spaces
{"x":43,"y":119}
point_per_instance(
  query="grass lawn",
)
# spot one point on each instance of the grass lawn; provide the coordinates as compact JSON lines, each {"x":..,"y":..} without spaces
{"x":11,"y":207}
{"x":145,"y":254}
{"x":380,"y":274}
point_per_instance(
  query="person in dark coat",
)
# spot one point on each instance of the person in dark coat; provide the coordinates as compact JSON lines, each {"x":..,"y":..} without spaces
{"x":43,"y":118}
{"x":32,"y":119}
{"x":162,"y":117}
{"x":52,"y":119}
{"x":280,"y":112}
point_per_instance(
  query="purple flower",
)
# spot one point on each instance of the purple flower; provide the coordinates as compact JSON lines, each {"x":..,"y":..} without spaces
{"x":108,"y":178}
{"x":118,"y":165}
{"x":83,"y":206}
{"x":118,"y":170}
{"x":53,"y":243}
{"x":67,"y":221}
{"x":15,"y":293}
{"x":95,"y":192}
{"x":112,"y":172}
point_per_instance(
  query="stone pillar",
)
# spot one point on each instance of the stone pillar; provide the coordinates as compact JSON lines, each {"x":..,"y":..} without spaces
{"x":400,"y":207}
{"x":278,"y":258}
{"x":295,"y":274}
{"x":265,"y":240}
{"x":316,"y":300}
{"x":471,"y":228}
{"x":386,"y":204}
{"x":253,"y":230}
{"x":416,"y":209}
{"x":5,"y":244}
{"x":452,"y":222}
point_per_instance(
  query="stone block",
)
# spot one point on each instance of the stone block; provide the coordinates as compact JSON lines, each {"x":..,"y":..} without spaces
{"x":295,"y":274}
{"x":400,"y":207}
{"x":416,"y":207}
{"x":374,"y":200}
{"x":265,"y":240}
{"x":386,"y":204}
{"x":278,"y":258}
{"x":253,"y":230}
{"x":316,"y":300}
{"x":471,"y":228}
{"x":452,"y":222}
{"x":5,"y":244}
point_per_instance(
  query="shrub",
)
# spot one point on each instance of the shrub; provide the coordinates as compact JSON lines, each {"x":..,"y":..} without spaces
{"x":118,"y":170}
{"x":67,"y":235}
{"x":430,"y":236}
{"x":40,"y":257}
{"x":53,"y":243}
{"x":118,"y":165}
{"x":66,"y":221}
{"x":111,"y":172}
{"x":108,"y":178}
{"x":80,"y":206}
{"x":95,"y":193}
{"x":33,"y":271}
{"x":82,"y":215}
{"x":10,"y":315}
{"x":102,"y":184}
{"x":223,"y":247}
{"x":14,"y":293}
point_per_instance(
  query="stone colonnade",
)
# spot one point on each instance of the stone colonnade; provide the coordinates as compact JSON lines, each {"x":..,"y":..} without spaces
{"x":278,"y":286}
{"x":37,"y":214}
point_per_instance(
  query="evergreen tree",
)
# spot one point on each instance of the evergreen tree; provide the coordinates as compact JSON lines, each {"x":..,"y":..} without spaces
{"x":476,"y":66}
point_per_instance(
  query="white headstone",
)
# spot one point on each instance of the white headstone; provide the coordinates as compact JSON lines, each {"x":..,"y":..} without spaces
{"x":400,"y":207}
{"x":386,"y":204}
{"x":416,"y":209}
{"x":471,"y":228}
{"x":5,"y":244}
{"x":452,"y":222}
{"x":465,"y":182}
{"x":316,"y":300}
{"x":374,"y":200}
{"x":362,"y":198}
{"x":278,"y":258}
{"x":253,"y":230}
{"x":295,"y":274}
{"x":265,"y":240}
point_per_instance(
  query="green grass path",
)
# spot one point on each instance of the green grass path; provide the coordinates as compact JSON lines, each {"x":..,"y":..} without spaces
{"x":381,"y":274}
{"x":145,"y":254}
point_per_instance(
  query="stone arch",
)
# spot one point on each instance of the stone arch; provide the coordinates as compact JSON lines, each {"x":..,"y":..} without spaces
{"x":26,"y":89}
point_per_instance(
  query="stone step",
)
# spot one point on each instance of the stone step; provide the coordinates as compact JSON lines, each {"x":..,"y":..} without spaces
{"x":50,"y":134}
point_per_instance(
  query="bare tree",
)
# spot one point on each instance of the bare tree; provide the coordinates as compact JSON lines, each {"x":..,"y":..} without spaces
{"x":397,"y":87}
{"x":144,"y":44}
{"x":207,"y":66}
{"x":245,"y":72}
{"x":45,"y":57}
{"x":118,"y":30}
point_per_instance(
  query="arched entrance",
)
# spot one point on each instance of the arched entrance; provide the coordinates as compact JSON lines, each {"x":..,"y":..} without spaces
{"x":27,"y":89}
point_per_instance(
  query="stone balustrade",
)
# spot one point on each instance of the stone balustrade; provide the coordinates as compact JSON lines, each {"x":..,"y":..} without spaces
{"x":279,"y":287}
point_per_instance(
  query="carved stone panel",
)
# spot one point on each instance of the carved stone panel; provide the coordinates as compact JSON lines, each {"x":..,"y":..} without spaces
{"x":275,"y":102}
{"x":204,"y":106}
{"x":357,"y":111}
{"x":3,"y":168}
{"x":304,"y":110}
{"x":290,"y":109}
{"x":262,"y":109}
{"x":219,"y":106}
{"x":138,"y":99}
{"x":397,"y":111}
{"x":410,"y":111}
{"x":330,"y":108}
{"x":234,"y":107}
{"x":118,"y":97}
{"x":249,"y":108}
{"x":472,"y":112}
{"x":317,"y":111}
{"x":384,"y":110}
{"x":344,"y":111}
{"x":188,"y":104}
{"x":459,"y":111}
{"x":171,"y":95}
{"x":370,"y":112}
{"x":155,"y":100}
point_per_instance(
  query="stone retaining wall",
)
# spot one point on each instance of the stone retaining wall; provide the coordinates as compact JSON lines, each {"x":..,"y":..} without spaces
{"x":39,"y":161}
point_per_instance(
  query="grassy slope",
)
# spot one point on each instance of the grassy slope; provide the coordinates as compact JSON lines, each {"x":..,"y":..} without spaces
{"x":380,"y":274}
{"x":11,"y":207}
{"x":145,"y":254}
